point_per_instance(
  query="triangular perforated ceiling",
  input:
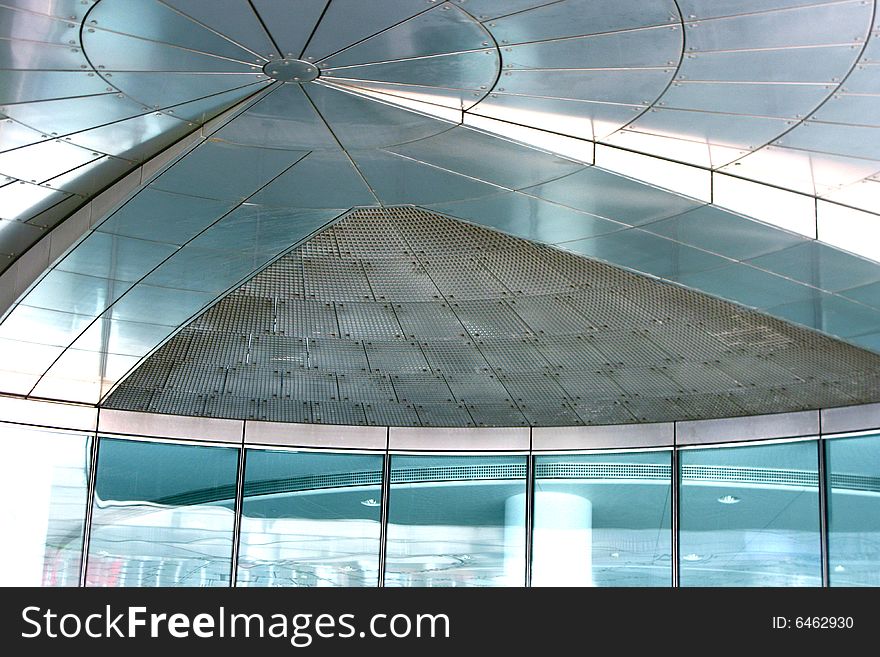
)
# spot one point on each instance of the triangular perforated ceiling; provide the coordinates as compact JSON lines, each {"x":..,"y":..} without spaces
{"x":403,"y":317}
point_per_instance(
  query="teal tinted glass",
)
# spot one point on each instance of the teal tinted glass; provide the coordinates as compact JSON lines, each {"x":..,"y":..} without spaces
{"x":603,"y":520}
{"x":162,"y":515}
{"x":750,"y":516}
{"x":310,"y":519}
{"x":45,"y":484}
{"x":853,"y":466}
{"x":456,"y":521}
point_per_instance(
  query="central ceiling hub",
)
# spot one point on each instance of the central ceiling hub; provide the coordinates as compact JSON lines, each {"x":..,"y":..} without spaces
{"x":291,"y":70}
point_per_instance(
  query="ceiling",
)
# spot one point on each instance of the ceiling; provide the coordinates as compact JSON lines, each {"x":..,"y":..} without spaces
{"x":727,"y":147}
{"x":402,"y":317}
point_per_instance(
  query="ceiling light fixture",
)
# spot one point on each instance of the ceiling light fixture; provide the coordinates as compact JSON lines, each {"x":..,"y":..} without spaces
{"x":692,"y":557}
{"x":371,"y":502}
{"x":729,"y":499}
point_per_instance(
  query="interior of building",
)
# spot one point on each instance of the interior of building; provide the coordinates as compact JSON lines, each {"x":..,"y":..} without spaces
{"x":440,"y":293}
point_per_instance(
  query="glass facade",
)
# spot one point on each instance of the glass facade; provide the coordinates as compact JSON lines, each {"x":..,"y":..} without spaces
{"x":603,"y":520}
{"x":310,"y":519}
{"x":750,"y":516}
{"x":162,"y":515}
{"x":163,"y":512}
{"x":853,"y":471}
{"x":44,"y":482}
{"x":456,"y":521}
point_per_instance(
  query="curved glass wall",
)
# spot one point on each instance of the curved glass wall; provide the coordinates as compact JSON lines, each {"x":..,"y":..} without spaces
{"x":310,"y":519}
{"x":750,"y":516}
{"x":44,"y":484}
{"x":854,"y":510}
{"x":603,"y":520}
{"x":162,"y":515}
{"x":174,"y":512}
{"x":456,"y":521}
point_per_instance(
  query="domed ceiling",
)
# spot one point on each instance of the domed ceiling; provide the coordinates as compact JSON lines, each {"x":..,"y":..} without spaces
{"x":624,"y":132}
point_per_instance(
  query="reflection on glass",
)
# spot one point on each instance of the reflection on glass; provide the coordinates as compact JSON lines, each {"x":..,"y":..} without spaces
{"x":44,"y":485}
{"x":750,"y":516}
{"x":602,"y":520}
{"x":310,"y":519}
{"x":854,"y":511}
{"x":162,"y":515}
{"x":456,"y":521}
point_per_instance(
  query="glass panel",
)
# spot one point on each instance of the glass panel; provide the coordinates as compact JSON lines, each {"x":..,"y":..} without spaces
{"x":832,"y":314}
{"x":725,"y":233}
{"x":310,"y":519}
{"x":735,"y":131}
{"x":615,"y":197}
{"x":467,"y":70}
{"x":787,"y":210}
{"x":398,"y":180}
{"x":434,"y":32}
{"x":43,"y":326}
{"x":350,"y":115}
{"x":679,"y":178}
{"x":224,"y":171}
{"x":653,"y":46}
{"x":292,"y":21}
{"x":260,"y":230}
{"x":748,"y":286}
{"x":835,"y":138}
{"x":45,"y":485}
{"x":39,"y":162}
{"x":646,"y":253}
{"x":29,"y":86}
{"x":164,"y":216}
{"x":233,"y":19}
{"x":501,"y":161}
{"x":133,"y":54}
{"x":603,"y":520}
{"x":858,"y":232}
{"x":152,"y":20}
{"x":160,"y":304}
{"x":284,"y":118}
{"x":456,"y":521}
{"x":75,"y":293}
{"x":347,"y":21}
{"x":163,"y":515}
{"x":783,"y":100}
{"x":854,"y":511}
{"x":169,"y":88}
{"x":750,"y":516}
{"x":635,"y":87}
{"x":817,"y":25}
{"x":60,"y":117}
{"x":114,"y":256}
{"x":530,"y":218}
{"x":199,"y":111}
{"x":14,"y":134}
{"x":578,"y":118}
{"x":580,"y":17}
{"x":820,"y":265}
{"x":319,"y":180}
{"x":811,"y":64}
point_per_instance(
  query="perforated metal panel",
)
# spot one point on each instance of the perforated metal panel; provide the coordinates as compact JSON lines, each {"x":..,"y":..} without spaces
{"x":405,"y":318}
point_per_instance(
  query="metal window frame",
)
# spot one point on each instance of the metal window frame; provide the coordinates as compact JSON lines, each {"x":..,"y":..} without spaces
{"x":858,"y":421}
